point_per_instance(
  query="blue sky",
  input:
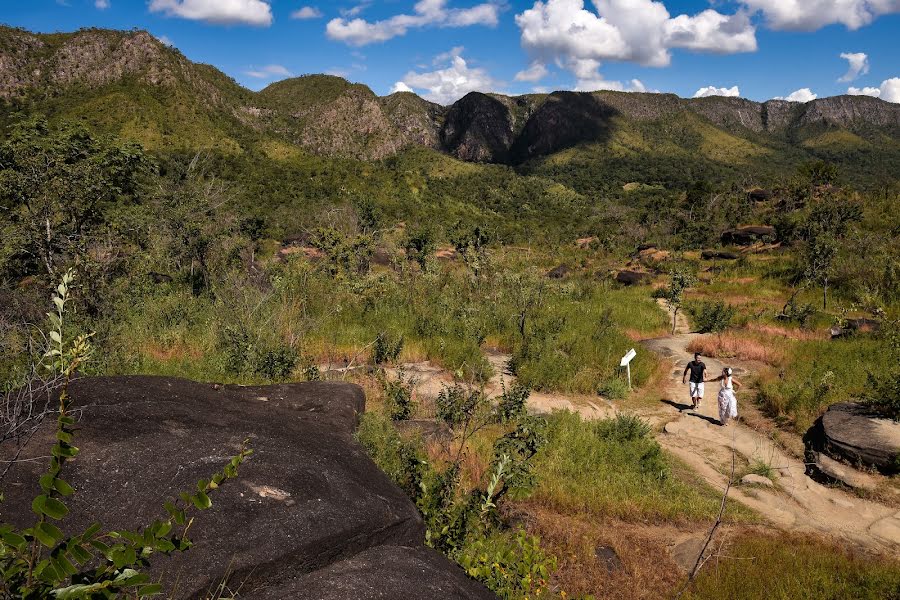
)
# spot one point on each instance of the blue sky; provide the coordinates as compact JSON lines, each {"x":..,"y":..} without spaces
{"x":442,"y":49}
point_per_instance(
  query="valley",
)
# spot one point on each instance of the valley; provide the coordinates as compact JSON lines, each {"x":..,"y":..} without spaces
{"x":443,"y":294}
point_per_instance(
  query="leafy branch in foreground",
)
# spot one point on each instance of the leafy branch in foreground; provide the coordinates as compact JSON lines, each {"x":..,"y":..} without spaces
{"x":41,"y":561}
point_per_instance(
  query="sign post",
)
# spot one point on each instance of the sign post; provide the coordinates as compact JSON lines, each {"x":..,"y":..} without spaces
{"x":626,"y":362}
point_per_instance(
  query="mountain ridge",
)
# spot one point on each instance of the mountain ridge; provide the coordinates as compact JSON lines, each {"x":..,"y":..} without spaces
{"x":132,"y":83}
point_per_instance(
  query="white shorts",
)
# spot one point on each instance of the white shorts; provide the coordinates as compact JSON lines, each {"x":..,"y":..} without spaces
{"x":696,"y":389}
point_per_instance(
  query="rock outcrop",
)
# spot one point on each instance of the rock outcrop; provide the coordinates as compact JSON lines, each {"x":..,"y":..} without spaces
{"x":746,"y":236}
{"x":310,"y":515}
{"x":850,"y":432}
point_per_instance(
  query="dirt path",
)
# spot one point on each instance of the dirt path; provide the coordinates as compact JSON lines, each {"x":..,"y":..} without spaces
{"x":797,"y":502}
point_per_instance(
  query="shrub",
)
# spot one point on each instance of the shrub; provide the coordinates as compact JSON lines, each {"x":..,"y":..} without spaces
{"x":513,"y":567}
{"x":387,"y":348}
{"x":884,"y":394}
{"x":398,"y":396}
{"x":613,"y":389}
{"x":713,"y":317}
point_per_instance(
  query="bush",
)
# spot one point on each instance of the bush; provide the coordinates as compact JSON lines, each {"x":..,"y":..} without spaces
{"x":613,"y":389}
{"x":513,"y":567}
{"x":386,"y":348}
{"x":398,"y":396}
{"x":884,"y":394}
{"x":713,"y":317}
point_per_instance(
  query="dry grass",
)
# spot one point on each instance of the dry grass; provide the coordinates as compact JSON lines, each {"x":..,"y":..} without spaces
{"x":737,"y":345}
{"x":789,"y":333}
{"x":177,"y":351}
{"x":647,"y":570}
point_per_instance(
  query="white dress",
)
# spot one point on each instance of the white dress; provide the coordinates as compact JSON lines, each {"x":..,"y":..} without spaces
{"x":727,"y":401}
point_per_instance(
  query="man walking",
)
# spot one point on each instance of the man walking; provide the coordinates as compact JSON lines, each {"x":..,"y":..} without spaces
{"x":697,"y":368}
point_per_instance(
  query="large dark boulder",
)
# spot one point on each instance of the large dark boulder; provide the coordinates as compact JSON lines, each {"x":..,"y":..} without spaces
{"x":850,"y":432}
{"x":746,"y":236}
{"x":631,"y":277}
{"x":308,"y":499}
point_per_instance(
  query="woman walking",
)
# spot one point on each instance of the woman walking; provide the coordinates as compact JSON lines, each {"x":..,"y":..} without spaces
{"x":727,"y":399}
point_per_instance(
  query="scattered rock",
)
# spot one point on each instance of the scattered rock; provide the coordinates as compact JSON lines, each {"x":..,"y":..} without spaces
{"x":685,"y":553}
{"x":754,"y":479}
{"x":559,"y":272}
{"x":746,"y":236}
{"x":719,"y":255}
{"x":759,"y":195}
{"x":631,"y":277}
{"x":308,"y":509}
{"x":608,"y":558}
{"x":849,"y":476}
{"x":654,"y":255}
{"x":850,"y":432}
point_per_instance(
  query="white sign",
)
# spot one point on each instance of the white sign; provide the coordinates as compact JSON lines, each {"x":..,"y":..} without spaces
{"x":627,"y":358}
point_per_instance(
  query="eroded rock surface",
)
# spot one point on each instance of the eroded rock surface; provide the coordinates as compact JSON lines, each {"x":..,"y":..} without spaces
{"x":308,"y":505}
{"x":850,"y":432}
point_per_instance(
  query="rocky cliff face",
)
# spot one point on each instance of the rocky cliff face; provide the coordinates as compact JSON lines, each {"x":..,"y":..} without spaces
{"x":331,"y":116}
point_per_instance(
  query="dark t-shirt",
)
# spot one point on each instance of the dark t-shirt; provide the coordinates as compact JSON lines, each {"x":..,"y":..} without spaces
{"x":697,"y":369}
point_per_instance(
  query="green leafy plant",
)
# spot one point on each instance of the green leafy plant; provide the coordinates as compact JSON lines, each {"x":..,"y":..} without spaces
{"x":713,"y":317}
{"x":513,"y":567}
{"x":41,"y":561}
{"x":386,"y":348}
{"x":398,"y":395}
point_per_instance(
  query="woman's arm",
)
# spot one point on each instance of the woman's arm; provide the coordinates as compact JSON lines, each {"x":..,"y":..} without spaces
{"x":719,"y":378}
{"x":737,"y":384}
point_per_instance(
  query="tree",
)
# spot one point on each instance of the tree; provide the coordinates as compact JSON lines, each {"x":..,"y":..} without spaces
{"x":819,"y":262}
{"x":681,"y":279}
{"x":56,"y":187}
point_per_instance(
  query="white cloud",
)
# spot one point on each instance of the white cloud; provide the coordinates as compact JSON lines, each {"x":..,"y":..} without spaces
{"x":359,"y":32}
{"x":165,"y":40}
{"x":809,"y":15}
{"x":219,"y":12}
{"x":400,"y":87}
{"x":858,"y":64}
{"x":450,"y":83}
{"x":101,"y":4}
{"x":641,"y":31}
{"x":268,"y":72}
{"x":889,"y":90}
{"x":703,"y":92}
{"x":307,"y":12}
{"x":535,"y":72}
{"x":801,"y":95}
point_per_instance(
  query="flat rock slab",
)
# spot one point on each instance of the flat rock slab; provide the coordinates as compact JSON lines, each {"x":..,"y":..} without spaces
{"x":307,"y":499}
{"x":853,"y":434}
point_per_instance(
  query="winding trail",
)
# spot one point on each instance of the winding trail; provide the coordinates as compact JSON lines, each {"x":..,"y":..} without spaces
{"x":795,"y":503}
